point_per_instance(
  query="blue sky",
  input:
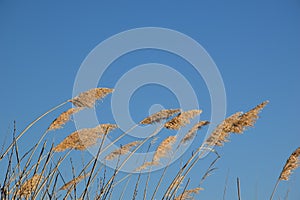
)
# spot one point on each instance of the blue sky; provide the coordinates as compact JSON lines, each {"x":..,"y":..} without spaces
{"x":255,"y":45}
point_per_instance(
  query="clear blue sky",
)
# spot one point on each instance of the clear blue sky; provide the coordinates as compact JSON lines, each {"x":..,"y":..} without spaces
{"x":255,"y":44}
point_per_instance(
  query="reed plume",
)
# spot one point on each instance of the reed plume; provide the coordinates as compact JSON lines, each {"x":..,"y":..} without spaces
{"x":292,"y":163}
{"x":164,"y":147}
{"x":63,"y":118}
{"x":122,"y":150}
{"x":161,"y":151}
{"x":88,"y":98}
{"x":247,"y":119}
{"x":186,"y":195}
{"x":159,"y":116}
{"x":73,"y":182}
{"x":146,"y":165}
{"x":29,"y":186}
{"x":236,"y":123}
{"x":192,"y":132}
{"x":221,"y":133}
{"x":84,"y":138}
{"x":182,"y":119}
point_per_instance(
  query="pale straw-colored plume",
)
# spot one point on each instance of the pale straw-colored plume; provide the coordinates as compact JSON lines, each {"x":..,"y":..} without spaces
{"x":122,"y":150}
{"x":159,"y":116}
{"x":236,"y":123}
{"x":88,"y":98}
{"x":73,"y":182}
{"x":221,"y":133}
{"x":84,"y":138}
{"x":29,"y":186}
{"x":164,"y":148}
{"x":247,"y":119}
{"x":192,"y":132}
{"x":63,"y":118}
{"x":292,"y":163}
{"x":186,"y":195}
{"x":146,"y":165}
{"x":182,"y":119}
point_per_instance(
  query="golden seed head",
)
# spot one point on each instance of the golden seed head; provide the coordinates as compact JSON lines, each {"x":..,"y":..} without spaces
{"x":236,"y":123}
{"x":182,"y":119}
{"x":29,"y":186}
{"x":192,"y":132}
{"x":88,"y":98}
{"x":73,"y":182}
{"x":159,"y":116}
{"x":292,"y":163}
{"x":63,"y":118}
{"x":186,"y":195}
{"x":122,"y":150}
{"x":164,"y":148}
{"x":146,"y":165}
{"x":84,"y":138}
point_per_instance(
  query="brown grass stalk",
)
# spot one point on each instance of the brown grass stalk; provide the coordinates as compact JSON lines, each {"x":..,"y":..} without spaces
{"x":117,"y":170}
{"x":29,"y":126}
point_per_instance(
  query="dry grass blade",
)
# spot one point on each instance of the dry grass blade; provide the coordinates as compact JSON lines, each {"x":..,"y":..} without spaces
{"x":84,"y":138}
{"x":182,"y":119}
{"x":164,"y":147}
{"x":74,"y":181}
{"x":63,"y":118}
{"x":186,"y":195}
{"x":29,"y":186}
{"x":122,"y":150}
{"x":159,"y":116}
{"x":177,"y":183}
{"x":291,"y":164}
{"x":88,"y":98}
{"x":192,"y":132}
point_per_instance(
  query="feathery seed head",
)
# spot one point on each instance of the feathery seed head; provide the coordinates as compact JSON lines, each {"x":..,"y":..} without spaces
{"x":146,"y":165}
{"x":63,"y":118}
{"x":29,"y":186}
{"x":88,"y":98}
{"x":236,"y":123}
{"x":186,"y":195}
{"x":122,"y":150}
{"x":191,"y":134}
{"x":292,"y":163}
{"x":84,"y":138}
{"x":164,"y":148}
{"x":159,"y":116}
{"x":182,"y":119}
{"x":73,"y":182}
